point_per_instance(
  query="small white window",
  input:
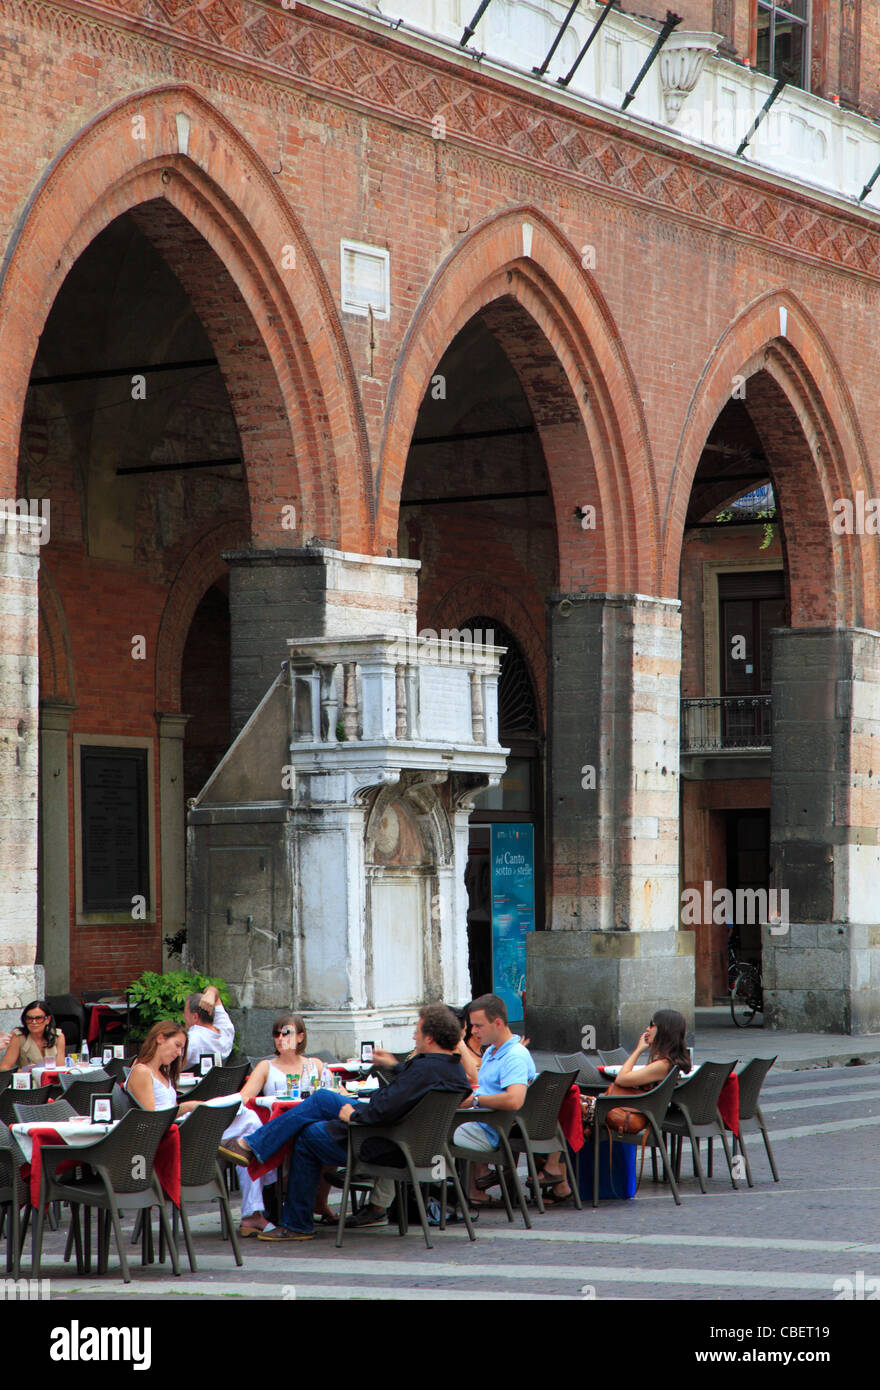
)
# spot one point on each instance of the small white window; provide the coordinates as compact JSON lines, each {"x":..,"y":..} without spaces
{"x":366,"y":279}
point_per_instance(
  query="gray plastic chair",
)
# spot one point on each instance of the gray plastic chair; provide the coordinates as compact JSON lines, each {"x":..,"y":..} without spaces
{"x":589,"y":1078}
{"x":200,"y":1177}
{"x":751,"y":1120}
{"x":615,"y":1058}
{"x":79,"y":1093}
{"x":694,"y":1112}
{"x":653,"y":1105}
{"x":51,"y":1112}
{"x":539,"y":1130}
{"x":9,"y":1098}
{"x":219,"y":1081}
{"x":13,"y":1196}
{"x":119,"y":1184}
{"x":422,"y":1138}
{"x":501,"y":1159}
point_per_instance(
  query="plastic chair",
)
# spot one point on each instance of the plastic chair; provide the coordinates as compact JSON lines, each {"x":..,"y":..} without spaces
{"x":200,"y":1177}
{"x":503,"y":1161}
{"x":589,"y":1078}
{"x":5,"y":1080}
{"x":11,"y":1097}
{"x":751,"y":1120}
{"x":694,"y":1112}
{"x":653,"y":1105}
{"x":615,"y":1058}
{"x":79,"y":1093}
{"x":51,"y":1112}
{"x":13,"y":1195}
{"x":219,"y":1081}
{"x":70,"y":1018}
{"x":119,"y":1184}
{"x":539,"y":1129}
{"x":422,"y":1138}
{"x":121,"y":1102}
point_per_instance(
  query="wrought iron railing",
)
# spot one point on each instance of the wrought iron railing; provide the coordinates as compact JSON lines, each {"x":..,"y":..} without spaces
{"x":721,"y":722}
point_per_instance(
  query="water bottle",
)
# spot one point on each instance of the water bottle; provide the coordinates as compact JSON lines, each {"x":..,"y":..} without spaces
{"x":84,"y":1054}
{"x":327,"y":1079}
{"x":294,"y":1090}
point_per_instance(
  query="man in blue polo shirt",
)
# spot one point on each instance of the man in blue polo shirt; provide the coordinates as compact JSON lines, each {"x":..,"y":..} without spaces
{"x":506,"y":1071}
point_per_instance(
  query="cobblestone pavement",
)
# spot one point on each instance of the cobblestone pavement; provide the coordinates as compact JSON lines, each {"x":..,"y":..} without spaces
{"x":801,"y":1238}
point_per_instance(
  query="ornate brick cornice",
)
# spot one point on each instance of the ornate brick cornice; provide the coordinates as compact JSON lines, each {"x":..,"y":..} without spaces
{"x":248,"y":44}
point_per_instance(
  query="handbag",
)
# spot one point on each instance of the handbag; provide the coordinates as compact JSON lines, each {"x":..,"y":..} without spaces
{"x":624,"y":1119}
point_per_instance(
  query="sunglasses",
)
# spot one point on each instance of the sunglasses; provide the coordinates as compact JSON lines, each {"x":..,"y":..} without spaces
{"x":35,"y":1018}
{"x":282,"y":1033}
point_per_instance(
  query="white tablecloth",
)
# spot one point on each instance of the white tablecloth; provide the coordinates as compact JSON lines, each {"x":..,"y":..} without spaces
{"x":77,"y":1133}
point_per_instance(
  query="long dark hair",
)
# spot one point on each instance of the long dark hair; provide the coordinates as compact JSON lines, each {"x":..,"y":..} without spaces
{"x":50,"y":1033}
{"x":669,"y":1043}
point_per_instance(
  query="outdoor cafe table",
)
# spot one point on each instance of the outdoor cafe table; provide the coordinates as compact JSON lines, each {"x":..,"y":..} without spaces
{"x":51,"y":1075}
{"x":34,"y":1135}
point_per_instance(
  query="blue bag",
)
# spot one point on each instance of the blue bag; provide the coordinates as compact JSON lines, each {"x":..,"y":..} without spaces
{"x":614,"y":1186}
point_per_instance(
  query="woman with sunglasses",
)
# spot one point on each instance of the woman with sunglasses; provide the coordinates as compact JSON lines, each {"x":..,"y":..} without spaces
{"x":36,"y":1042}
{"x":270,"y":1078}
{"x":664,"y":1041}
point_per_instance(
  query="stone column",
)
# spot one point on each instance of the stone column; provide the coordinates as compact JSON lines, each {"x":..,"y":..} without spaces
{"x":275,"y":595}
{"x":19,"y":789}
{"x":821,"y":961}
{"x":172,"y":827}
{"x":614,"y":952}
{"x":55,"y":846}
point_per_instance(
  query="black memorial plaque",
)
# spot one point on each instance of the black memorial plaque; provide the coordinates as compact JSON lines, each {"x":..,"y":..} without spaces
{"x":115,"y":841}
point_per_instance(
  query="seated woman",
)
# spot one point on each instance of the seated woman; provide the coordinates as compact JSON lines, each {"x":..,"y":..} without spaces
{"x":664,"y":1041}
{"x":37,"y":1042}
{"x":153,"y":1077}
{"x":153,"y":1081}
{"x":270,"y":1078}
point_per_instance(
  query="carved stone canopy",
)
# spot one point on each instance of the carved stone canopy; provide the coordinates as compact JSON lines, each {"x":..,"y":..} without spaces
{"x":682,"y":60}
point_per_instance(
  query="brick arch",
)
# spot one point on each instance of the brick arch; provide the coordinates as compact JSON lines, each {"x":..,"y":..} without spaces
{"x":803,"y":411}
{"x":55,"y":659}
{"x":478,"y":594}
{"x":600,"y":454}
{"x":276,"y":332}
{"x":202,"y":567}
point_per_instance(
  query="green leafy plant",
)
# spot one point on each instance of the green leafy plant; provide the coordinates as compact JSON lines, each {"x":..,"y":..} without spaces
{"x":156,"y":997}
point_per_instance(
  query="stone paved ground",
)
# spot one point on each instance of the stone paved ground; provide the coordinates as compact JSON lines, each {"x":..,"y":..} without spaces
{"x":792,"y":1240}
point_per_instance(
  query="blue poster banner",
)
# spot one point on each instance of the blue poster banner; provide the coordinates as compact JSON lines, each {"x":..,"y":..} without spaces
{"x":513,"y":911}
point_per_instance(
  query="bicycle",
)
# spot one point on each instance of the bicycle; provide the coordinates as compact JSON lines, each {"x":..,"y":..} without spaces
{"x":746,"y":989}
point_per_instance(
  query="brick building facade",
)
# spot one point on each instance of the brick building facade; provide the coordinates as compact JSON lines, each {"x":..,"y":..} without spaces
{"x":600,"y":330}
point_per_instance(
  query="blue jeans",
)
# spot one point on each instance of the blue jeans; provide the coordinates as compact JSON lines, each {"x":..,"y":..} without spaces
{"x":321,"y":1105}
{"x":314,"y":1150}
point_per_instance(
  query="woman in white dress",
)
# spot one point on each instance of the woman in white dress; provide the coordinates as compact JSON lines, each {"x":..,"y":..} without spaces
{"x":153,"y":1080}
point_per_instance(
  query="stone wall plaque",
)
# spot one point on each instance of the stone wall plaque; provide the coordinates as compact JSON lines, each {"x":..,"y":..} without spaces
{"x":445,"y":704}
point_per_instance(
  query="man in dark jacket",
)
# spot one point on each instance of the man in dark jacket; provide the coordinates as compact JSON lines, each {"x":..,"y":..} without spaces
{"x":319,"y":1124}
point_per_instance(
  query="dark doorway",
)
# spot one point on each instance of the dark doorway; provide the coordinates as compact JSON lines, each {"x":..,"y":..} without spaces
{"x":748,"y":866}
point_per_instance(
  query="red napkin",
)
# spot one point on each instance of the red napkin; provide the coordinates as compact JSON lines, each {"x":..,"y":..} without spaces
{"x":571,"y":1119}
{"x":40,"y":1137}
{"x":50,"y":1078}
{"x":728,"y":1103}
{"x":167,"y":1164}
